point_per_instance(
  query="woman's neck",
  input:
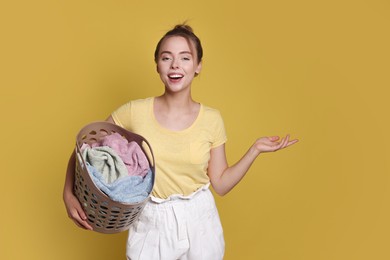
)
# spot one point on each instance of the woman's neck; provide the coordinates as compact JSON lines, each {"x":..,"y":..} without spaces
{"x":176,"y":102}
{"x":175,"y":113}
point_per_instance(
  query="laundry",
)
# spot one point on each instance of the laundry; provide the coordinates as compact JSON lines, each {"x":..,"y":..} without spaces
{"x":127,"y":189}
{"x":119,"y":168}
{"x":106,"y":161}
{"x":131,"y":153}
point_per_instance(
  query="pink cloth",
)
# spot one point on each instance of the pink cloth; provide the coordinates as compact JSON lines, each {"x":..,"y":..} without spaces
{"x":131,"y":153}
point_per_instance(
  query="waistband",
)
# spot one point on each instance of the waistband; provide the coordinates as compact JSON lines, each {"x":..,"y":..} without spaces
{"x":180,"y":196}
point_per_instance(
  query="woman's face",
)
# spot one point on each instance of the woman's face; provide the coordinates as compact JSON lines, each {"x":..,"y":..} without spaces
{"x":177,"y":63}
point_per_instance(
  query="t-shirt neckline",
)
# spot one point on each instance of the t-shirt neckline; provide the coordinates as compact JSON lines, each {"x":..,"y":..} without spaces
{"x":158,"y":125}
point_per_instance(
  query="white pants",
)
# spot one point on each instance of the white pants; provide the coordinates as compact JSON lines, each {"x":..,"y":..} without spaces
{"x":185,"y":228}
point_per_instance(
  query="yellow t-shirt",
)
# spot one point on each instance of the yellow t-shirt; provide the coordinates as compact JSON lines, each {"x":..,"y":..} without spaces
{"x":181,"y":156}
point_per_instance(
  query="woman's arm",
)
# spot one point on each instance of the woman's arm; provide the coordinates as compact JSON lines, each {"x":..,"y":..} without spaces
{"x":72,"y":204}
{"x":223,"y":178}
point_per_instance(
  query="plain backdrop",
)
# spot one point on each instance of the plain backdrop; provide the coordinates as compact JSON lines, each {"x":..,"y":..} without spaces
{"x":318,"y":70}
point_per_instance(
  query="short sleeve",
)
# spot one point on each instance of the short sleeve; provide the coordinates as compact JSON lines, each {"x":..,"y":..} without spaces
{"x":219,"y":130}
{"x":122,"y":116}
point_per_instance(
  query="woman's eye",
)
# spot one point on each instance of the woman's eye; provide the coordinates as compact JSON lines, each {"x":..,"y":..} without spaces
{"x":165,"y":58}
{"x":186,"y":58}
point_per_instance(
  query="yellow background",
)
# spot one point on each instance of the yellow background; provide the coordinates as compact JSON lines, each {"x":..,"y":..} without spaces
{"x":316,"y":69}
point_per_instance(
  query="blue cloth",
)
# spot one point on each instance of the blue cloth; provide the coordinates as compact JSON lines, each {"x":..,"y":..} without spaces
{"x":127,"y":189}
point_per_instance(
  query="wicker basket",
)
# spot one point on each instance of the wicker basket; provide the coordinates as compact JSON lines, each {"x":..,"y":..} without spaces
{"x":104,"y":214}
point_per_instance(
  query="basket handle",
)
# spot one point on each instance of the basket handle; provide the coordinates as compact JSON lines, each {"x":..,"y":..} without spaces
{"x":79,"y":156}
{"x":116,"y":128}
{"x":151,"y":153}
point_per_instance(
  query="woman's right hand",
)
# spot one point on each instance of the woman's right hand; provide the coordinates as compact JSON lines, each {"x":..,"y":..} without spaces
{"x":72,"y":204}
{"x":75,"y":211}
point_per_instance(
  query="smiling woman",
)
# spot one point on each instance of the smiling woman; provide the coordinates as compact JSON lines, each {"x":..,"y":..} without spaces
{"x":181,"y":220}
{"x":176,"y":65}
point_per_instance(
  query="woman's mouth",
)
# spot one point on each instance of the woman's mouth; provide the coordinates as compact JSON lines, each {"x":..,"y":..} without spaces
{"x":175,"y":76}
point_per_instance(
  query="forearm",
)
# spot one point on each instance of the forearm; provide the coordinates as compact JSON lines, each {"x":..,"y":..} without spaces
{"x":232,"y":175}
{"x":224,"y":178}
{"x":69,"y":178}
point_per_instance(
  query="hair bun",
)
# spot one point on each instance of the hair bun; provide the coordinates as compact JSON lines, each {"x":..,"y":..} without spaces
{"x":184,"y":27}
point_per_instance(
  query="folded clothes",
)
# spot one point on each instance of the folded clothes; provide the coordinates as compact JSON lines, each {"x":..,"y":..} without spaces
{"x":106,"y":161}
{"x":127,"y":189}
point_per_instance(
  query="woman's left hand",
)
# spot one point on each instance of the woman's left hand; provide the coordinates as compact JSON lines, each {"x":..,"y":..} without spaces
{"x":272,"y":144}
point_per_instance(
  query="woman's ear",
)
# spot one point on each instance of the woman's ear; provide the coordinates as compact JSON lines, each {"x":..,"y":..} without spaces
{"x":198,"y":69}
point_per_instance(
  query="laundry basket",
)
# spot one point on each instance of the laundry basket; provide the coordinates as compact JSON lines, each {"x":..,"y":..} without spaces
{"x":104,"y":214}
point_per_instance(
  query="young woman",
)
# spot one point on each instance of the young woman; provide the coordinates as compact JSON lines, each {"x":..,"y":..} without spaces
{"x":180,"y":221}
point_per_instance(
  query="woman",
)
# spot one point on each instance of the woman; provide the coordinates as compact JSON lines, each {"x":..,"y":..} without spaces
{"x":180,"y":221}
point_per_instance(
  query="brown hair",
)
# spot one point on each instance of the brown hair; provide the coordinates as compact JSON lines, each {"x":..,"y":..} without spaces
{"x":186,"y":32}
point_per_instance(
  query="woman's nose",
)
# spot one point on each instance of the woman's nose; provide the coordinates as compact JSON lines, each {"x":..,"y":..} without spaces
{"x":174,"y":64}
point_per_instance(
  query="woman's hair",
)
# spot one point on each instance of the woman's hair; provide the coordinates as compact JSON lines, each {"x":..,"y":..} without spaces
{"x":186,"y":32}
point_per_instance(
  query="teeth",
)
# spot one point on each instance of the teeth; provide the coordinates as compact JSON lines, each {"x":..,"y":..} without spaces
{"x":175,"y":76}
